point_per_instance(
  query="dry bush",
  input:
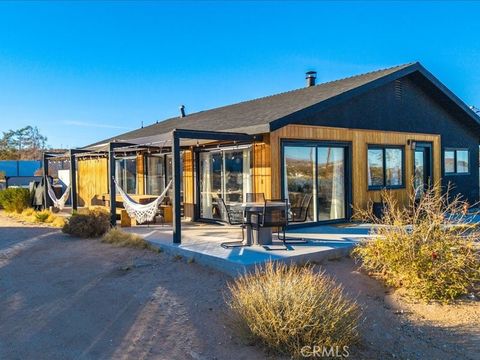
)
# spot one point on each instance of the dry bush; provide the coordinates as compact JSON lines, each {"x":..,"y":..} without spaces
{"x":429,"y":247}
{"x":44,"y":217}
{"x":118,"y":237}
{"x":287,"y":308}
{"x":15,"y":199}
{"x":88,"y":223}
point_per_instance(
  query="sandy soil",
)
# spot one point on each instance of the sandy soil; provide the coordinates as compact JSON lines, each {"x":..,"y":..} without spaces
{"x":65,"y":298}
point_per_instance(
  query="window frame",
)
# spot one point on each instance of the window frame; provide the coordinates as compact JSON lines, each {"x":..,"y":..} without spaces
{"x":123,"y":181}
{"x":455,"y":171}
{"x":384,"y":164}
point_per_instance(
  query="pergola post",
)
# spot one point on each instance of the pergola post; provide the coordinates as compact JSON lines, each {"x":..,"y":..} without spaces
{"x":111,"y":184}
{"x":73,"y":181}
{"x":177,"y":221}
{"x":45,"y":179}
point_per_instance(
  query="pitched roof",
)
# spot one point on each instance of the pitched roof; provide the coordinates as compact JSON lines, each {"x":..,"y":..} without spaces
{"x":256,"y":116}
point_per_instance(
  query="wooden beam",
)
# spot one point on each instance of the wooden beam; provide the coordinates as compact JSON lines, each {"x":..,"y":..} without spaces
{"x":73,"y":181}
{"x":177,"y":221}
{"x":45,"y":179}
{"x":111,"y":183}
{"x":214,"y":135}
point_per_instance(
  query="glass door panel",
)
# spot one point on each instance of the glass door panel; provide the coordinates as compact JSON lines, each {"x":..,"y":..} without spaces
{"x":224,"y":174}
{"x":419,"y":173}
{"x":233,"y":176}
{"x":299,"y":176}
{"x":331,"y":183}
{"x":211,"y":169}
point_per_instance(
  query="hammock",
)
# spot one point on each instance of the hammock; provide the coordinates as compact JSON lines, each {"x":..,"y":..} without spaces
{"x":58,"y":203}
{"x":141,"y":212}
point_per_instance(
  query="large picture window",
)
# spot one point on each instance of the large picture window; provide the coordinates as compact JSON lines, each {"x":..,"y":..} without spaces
{"x":385,"y":167}
{"x":456,"y":161}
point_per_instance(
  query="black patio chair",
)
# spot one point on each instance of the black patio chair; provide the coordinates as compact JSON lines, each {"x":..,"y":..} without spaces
{"x":273,"y":216}
{"x":231,"y":216}
{"x":300,"y":213}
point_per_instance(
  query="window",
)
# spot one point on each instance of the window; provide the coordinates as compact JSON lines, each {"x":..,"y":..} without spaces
{"x":155,"y":178}
{"x":224,"y":173}
{"x":126,"y":174}
{"x":456,"y":161}
{"x":385,"y":167}
{"x":159,"y":174}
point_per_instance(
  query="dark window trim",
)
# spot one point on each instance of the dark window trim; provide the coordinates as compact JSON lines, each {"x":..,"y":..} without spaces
{"x":348,"y":171}
{"x":455,"y":171}
{"x":384,"y":159}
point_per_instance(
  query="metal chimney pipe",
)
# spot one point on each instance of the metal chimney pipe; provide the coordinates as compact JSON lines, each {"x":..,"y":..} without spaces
{"x":182,"y":111}
{"x":311,"y":76}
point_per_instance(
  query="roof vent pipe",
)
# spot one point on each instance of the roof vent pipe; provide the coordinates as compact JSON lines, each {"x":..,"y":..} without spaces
{"x":311,"y":76}
{"x":182,"y":111}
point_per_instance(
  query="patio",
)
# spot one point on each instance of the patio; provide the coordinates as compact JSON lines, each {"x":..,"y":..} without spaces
{"x":201,"y":243}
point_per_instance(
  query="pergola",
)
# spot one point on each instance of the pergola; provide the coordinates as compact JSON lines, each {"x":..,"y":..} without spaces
{"x":178,"y":140}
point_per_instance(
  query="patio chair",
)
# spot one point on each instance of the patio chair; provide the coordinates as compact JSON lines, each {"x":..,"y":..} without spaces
{"x":299,"y":213}
{"x":272,"y":217}
{"x":231,"y":216}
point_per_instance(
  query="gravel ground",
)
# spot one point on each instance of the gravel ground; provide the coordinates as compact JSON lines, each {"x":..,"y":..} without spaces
{"x":66,"y":298}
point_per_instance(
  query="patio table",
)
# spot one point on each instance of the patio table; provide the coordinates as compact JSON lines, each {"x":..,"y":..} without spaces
{"x":262,"y":236}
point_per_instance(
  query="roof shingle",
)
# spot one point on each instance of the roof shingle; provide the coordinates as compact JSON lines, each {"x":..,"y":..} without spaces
{"x":254,"y":116}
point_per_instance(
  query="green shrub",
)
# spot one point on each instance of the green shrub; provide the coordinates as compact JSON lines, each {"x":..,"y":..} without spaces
{"x":88,"y":223}
{"x":423,"y":247}
{"x":289,"y":308}
{"x":15,"y":199}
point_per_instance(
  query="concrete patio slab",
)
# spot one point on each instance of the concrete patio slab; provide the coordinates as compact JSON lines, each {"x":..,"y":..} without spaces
{"x":201,"y":243}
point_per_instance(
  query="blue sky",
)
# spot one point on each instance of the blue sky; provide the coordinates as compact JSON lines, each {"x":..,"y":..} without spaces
{"x":84,"y":71}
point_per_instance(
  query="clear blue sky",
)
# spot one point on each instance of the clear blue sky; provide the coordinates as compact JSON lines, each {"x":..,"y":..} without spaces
{"x":88,"y":70}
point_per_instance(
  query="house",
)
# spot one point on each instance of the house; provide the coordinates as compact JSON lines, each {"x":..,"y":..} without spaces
{"x":326,"y":147}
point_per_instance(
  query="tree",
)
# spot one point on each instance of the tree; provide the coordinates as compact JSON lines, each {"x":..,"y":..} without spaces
{"x":24,"y":143}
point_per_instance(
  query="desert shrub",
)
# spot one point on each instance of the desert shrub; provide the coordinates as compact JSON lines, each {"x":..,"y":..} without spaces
{"x":428,"y":247}
{"x":88,"y":223}
{"x":44,"y":216}
{"x":118,"y":237}
{"x":15,"y":199}
{"x":287,"y":308}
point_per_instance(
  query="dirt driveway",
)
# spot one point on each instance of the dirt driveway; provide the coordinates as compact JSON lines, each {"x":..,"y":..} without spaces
{"x":65,"y":298}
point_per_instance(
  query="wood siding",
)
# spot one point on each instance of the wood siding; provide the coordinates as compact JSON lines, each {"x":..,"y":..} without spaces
{"x":359,"y":139}
{"x":262,"y":169}
{"x":92,"y":179}
{"x":188,"y":185}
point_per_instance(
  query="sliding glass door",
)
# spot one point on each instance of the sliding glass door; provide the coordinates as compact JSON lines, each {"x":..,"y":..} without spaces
{"x":331,"y":183}
{"x":314,"y":181}
{"x":226,"y":174}
{"x":300,"y":179}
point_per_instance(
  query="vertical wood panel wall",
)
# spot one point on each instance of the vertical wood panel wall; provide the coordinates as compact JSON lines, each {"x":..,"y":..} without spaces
{"x":262,"y":175}
{"x":92,"y":179}
{"x":141,"y":174}
{"x":360,"y":139}
{"x":188,"y":185}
